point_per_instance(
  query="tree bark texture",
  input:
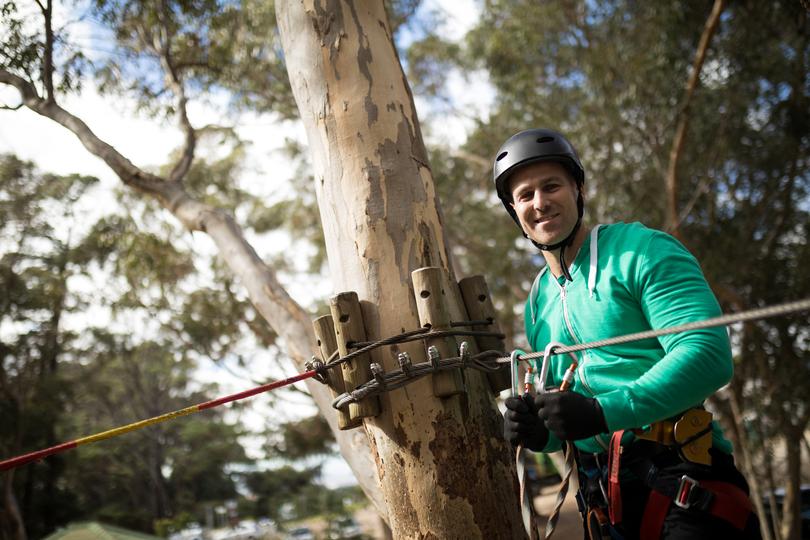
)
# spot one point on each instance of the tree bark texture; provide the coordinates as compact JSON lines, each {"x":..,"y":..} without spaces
{"x":444,"y":468}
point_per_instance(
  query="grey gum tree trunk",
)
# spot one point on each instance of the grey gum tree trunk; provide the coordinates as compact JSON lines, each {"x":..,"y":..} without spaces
{"x":444,"y":468}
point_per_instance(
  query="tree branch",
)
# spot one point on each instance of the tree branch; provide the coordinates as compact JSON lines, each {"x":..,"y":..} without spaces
{"x":125,"y":169}
{"x":683,"y":115}
{"x":175,"y":82}
{"x":47,"y":61}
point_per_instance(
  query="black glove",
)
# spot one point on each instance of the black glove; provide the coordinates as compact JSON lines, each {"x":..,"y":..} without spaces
{"x":571,"y":416}
{"x":521,"y":424}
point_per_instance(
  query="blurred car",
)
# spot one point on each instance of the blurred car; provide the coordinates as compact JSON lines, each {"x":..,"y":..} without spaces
{"x":300,"y":533}
{"x":804,"y":508}
{"x":192,"y":531}
{"x":266,"y":525}
{"x":344,"y":528}
{"x":245,"y":530}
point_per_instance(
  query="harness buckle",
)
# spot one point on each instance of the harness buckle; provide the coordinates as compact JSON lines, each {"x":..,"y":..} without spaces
{"x":682,"y":496}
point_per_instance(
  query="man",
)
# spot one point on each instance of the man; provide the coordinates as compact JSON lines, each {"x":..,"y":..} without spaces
{"x":637,"y":405}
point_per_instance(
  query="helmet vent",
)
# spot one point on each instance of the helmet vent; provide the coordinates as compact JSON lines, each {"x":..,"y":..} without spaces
{"x":501,"y":156}
{"x":545,"y":139}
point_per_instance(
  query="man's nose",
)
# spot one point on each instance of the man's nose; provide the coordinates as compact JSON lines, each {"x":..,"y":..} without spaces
{"x":540,"y":200}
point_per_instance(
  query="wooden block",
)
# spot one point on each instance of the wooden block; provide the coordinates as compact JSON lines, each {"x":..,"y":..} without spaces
{"x":433,"y":312}
{"x":349,"y":327}
{"x":475,"y":294}
{"x":327,"y":344}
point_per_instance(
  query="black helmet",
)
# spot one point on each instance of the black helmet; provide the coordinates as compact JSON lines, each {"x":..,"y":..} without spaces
{"x":532,"y":146}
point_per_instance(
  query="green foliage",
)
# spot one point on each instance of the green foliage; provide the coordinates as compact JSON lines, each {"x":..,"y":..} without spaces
{"x":286,"y":485}
{"x":215,"y":46}
{"x":302,"y":439}
{"x":161,"y":470}
{"x":56,"y":385}
{"x":36,"y":263}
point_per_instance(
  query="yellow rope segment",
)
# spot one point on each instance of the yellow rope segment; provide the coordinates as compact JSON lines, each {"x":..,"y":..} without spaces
{"x":136,"y":425}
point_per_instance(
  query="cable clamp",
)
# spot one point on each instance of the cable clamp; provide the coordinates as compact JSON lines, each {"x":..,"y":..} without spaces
{"x":315,"y":364}
{"x":378,"y":373}
{"x":405,"y":364}
{"x":434,"y":357}
{"x":464,"y":353}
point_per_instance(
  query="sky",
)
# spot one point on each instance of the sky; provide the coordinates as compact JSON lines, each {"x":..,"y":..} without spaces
{"x":146,"y":143}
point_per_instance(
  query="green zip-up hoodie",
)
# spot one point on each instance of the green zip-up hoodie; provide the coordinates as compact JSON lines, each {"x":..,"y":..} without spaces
{"x":642,"y":279}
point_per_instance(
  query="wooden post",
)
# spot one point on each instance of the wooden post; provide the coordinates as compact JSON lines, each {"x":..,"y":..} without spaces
{"x":349,"y":327}
{"x":475,"y":293}
{"x":430,"y":303}
{"x":327,"y":344}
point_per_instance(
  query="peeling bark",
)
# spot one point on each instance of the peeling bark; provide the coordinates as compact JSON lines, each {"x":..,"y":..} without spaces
{"x":444,"y":468}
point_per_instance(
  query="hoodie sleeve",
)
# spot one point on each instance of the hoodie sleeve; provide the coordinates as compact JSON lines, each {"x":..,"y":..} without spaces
{"x":671,"y":290}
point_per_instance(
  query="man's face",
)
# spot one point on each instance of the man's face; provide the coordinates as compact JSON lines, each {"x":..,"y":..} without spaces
{"x":544,"y":197}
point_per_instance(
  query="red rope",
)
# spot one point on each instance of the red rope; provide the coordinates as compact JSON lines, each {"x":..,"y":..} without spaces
{"x":18,"y":461}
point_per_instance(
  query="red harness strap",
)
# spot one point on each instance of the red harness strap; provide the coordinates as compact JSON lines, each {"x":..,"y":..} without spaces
{"x":728,"y":502}
{"x":614,"y":488}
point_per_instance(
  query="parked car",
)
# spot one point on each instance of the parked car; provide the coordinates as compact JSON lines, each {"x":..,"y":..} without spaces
{"x":804,"y":508}
{"x":192,"y":531}
{"x":344,"y":528}
{"x":300,"y":533}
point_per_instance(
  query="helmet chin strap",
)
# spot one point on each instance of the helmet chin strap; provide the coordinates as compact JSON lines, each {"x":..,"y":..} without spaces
{"x":561,"y":245}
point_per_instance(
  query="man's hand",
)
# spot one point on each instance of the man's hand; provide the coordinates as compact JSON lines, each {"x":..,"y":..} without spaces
{"x":571,"y":416}
{"x":521,"y":425}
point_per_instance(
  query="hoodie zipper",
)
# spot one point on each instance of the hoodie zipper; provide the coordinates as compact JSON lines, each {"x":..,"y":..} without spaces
{"x":570,"y":327}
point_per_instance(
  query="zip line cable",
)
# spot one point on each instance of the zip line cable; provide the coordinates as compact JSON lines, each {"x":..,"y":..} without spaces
{"x":483,"y":361}
{"x":724,"y":320}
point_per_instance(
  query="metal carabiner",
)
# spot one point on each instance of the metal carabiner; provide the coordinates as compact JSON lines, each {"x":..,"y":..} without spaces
{"x":514,"y":360}
{"x":548,"y":352}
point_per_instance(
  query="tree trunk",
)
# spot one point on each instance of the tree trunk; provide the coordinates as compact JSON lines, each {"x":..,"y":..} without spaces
{"x":791,"y":505}
{"x":734,"y":427}
{"x":444,"y":468}
{"x":11,"y":521}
